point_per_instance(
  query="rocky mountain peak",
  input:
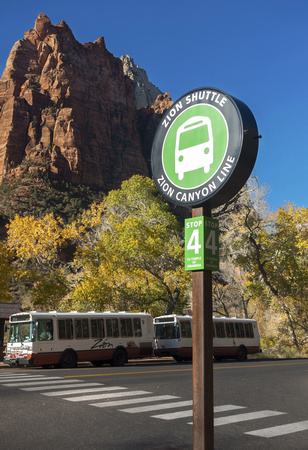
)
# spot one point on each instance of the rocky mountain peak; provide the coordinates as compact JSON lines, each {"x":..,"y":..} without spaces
{"x":145,"y":92}
{"x":74,"y":111}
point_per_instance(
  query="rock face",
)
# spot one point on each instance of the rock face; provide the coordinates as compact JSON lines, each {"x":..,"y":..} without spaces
{"x":75,"y":110}
{"x":145,"y":92}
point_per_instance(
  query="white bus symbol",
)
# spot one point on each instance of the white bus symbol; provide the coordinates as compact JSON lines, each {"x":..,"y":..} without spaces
{"x":194,"y":145}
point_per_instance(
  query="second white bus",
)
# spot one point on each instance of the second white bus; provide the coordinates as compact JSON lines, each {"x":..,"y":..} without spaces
{"x":63,"y":339}
{"x":232,"y":337}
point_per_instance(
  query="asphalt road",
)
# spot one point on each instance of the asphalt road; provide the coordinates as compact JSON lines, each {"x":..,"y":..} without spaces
{"x":148,"y":405}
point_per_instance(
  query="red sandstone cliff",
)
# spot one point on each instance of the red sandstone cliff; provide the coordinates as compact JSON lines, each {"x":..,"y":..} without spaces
{"x":69,"y":109}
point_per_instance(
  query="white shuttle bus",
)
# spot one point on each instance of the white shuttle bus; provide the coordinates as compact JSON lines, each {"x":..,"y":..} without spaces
{"x":194,"y":146}
{"x":232,"y":337}
{"x":63,"y":339}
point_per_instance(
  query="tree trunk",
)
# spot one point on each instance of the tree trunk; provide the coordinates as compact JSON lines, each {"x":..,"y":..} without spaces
{"x":172,"y":301}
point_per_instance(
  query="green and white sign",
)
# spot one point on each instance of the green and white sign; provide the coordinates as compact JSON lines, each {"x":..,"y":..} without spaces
{"x":201,"y":244}
{"x":204,"y":148}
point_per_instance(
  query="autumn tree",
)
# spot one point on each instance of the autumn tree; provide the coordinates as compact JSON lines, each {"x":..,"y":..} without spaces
{"x":36,"y":244}
{"x":230,"y":294}
{"x":133,"y":258}
{"x":272,"y":247}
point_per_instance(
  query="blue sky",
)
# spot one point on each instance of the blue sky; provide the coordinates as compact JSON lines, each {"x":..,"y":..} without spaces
{"x":255,"y":50}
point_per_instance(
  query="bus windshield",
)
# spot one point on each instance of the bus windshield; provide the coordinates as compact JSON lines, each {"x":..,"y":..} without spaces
{"x":22,"y":332}
{"x":167,"y":331}
{"x":195,"y":136}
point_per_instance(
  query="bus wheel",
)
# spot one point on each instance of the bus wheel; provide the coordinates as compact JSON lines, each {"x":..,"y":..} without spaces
{"x":241,"y":353}
{"x":119,"y":357}
{"x":68,"y":359}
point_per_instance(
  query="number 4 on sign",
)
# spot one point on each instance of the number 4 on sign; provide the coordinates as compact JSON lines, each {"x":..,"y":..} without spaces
{"x":211,"y":242}
{"x":193,"y":243}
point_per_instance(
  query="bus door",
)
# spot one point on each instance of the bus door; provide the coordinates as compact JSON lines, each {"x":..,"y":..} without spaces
{"x":185,"y":341}
{"x":194,"y":146}
{"x":45,"y":335}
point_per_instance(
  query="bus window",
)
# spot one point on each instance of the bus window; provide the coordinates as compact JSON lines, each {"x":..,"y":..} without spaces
{"x":167,"y":331}
{"x":137,"y":327}
{"x":185,"y":327}
{"x":230,"y":329}
{"x":65,"y":328}
{"x":22,"y":332}
{"x":172,"y":331}
{"x":82,"y":329}
{"x":126,"y":327}
{"x":112,"y":328}
{"x":97,"y":328}
{"x":220,"y":330}
{"x":159,"y":331}
{"x":45,"y":329}
{"x":239,"y":330}
{"x":249,"y":330}
{"x":199,"y":134}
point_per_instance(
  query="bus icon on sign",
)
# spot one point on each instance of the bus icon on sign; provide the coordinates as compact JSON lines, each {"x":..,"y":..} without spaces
{"x":194,"y":146}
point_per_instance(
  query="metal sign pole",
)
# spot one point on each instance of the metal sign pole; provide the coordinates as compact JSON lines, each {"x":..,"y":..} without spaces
{"x":203,"y":409}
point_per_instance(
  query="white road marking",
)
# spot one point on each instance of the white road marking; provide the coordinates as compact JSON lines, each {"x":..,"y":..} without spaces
{"x":140,"y":409}
{"x":84,"y":390}
{"x":244,"y":417}
{"x":224,"y":408}
{"x":108,"y":395}
{"x":19,"y":377}
{"x":132,"y":401}
{"x":54,"y":380}
{"x":280,"y":430}
{"x":64,"y":385}
{"x":26,"y":379}
{"x":175,"y":415}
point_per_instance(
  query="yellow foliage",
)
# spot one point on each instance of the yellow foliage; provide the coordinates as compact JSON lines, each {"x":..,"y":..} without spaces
{"x":34,"y":238}
{"x":6,"y":271}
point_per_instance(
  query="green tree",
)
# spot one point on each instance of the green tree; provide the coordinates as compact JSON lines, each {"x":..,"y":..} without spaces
{"x":133,"y":258}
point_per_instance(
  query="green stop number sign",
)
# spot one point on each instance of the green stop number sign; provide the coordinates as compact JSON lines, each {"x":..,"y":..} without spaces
{"x":201,"y":244}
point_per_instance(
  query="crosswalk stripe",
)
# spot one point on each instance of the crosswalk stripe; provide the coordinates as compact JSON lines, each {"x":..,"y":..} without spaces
{"x":19,"y":377}
{"x":42,"y":383}
{"x":132,"y":401}
{"x":24,"y":379}
{"x":108,"y":395}
{"x":175,"y":415}
{"x":244,"y":417}
{"x":224,"y":408}
{"x":161,"y":406}
{"x":15,"y":374}
{"x":66,"y":384}
{"x":83,"y":390}
{"x":280,"y":430}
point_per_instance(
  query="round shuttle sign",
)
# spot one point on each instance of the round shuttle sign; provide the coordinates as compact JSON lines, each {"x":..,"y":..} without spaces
{"x":204,"y":148}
